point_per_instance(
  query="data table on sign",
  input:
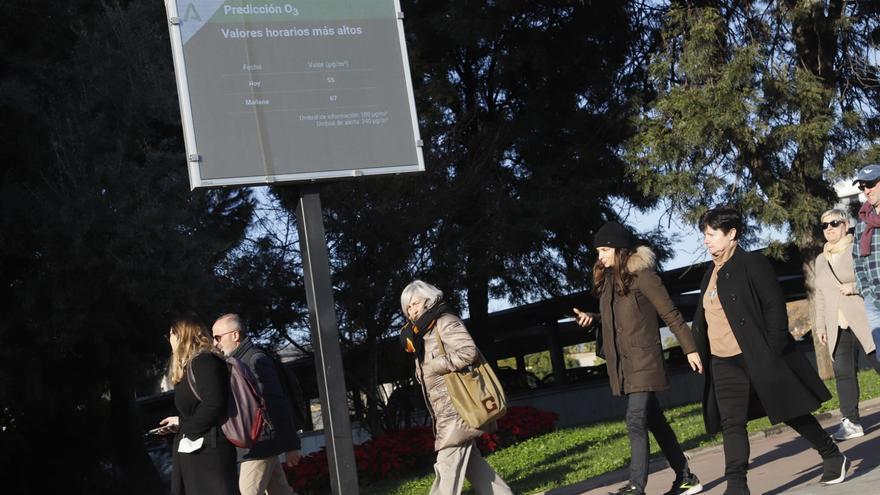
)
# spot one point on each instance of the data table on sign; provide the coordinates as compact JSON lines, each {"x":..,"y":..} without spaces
{"x":326,"y":88}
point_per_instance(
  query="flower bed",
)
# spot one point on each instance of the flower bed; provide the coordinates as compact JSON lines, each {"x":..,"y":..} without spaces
{"x":520,"y":423}
{"x":398,"y":452}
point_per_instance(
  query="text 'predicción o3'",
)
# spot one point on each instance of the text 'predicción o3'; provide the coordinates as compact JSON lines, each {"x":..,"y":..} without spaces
{"x":260,"y":9}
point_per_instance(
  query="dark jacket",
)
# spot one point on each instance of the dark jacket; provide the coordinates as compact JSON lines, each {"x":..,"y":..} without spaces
{"x":784,"y":381}
{"x":282,"y":436}
{"x":630,"y":332}
{"x":211,"y":469}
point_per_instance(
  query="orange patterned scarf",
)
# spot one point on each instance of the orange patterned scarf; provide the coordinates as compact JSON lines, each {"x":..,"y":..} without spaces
{"x":413,"y":332}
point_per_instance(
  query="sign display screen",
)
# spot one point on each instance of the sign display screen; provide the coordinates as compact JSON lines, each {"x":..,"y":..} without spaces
{"x":298,"y":90}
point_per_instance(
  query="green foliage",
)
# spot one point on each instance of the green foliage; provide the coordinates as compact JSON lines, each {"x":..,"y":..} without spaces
{"x":759,"y":105}
{"x":521,"y":156}
{"x":102,"y":239}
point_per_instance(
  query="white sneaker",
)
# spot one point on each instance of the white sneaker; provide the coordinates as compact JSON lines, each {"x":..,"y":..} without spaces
{"x":848,"y":430}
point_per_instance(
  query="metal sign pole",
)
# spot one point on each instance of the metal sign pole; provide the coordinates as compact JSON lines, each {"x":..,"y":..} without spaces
{"x":325,"y":339}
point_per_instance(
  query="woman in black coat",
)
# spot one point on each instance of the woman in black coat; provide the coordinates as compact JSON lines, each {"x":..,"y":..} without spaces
{"x":204,"y":460}
{"x":753,"y":368}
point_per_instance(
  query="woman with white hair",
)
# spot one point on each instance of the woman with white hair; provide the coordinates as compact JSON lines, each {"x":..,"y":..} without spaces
{"x":429,"y":321}
{"x":841,"y":321}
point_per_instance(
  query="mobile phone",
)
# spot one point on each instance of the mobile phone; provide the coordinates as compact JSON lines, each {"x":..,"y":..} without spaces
{"x":159,"y":431}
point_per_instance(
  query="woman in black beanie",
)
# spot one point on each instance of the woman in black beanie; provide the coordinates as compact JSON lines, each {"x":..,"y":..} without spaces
{"x":630,"y":297}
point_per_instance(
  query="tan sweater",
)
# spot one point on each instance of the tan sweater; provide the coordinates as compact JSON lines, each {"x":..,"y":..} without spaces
{"x":722,"y":341}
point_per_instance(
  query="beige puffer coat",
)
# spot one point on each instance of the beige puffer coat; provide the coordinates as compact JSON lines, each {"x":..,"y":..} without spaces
{"x":449,"y":429}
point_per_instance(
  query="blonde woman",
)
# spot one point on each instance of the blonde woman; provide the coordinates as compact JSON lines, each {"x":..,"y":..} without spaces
{"x":457,"y":456}
{"x":204,"y":460}
{"x":841,"y":321}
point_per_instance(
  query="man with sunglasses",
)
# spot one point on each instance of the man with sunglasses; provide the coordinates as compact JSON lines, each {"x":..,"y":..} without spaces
{"x":866,"y":246}
{"x":260,"y":471}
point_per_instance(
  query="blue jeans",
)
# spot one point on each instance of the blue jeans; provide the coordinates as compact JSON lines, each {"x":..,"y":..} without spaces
{"x":873,"y":312}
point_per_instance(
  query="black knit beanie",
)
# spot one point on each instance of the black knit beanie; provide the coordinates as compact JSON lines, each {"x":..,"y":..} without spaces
{"x":612,"y":234}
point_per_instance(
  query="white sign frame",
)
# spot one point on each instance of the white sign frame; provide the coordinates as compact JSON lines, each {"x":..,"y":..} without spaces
{"x":194,"y":159}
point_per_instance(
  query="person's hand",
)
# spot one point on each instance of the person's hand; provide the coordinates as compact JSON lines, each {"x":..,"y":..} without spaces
{"x":169,"y":425}
{"x":583,"y":319}
{"x":292,"y":458}
{"x":695,"y":362}
{"x":172,"y":423}
{"x":823,"y":337}
{"x":847,"y":289}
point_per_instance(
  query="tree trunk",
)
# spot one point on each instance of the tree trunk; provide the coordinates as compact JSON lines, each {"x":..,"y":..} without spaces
{"x":823,"y":357}
{"x":374,"y":414}
{"x":816,"y":45}
{"x":478,"y":309}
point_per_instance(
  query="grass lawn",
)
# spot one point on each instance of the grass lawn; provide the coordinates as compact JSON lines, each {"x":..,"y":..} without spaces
{"x":571,"y":455}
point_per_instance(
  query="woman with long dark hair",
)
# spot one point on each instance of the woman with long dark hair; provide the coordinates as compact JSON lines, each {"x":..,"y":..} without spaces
{"x":631,"y":296}
{"x":753,"y":367}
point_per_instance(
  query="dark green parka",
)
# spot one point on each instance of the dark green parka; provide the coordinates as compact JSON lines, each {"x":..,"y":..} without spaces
{"x":630,"y":331}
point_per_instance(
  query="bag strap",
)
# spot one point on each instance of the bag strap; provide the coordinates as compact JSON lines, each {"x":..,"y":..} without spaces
{"x":191,"y":377}
{"x":480,"y":358}
{"x":832,"y":271}
{"x":439,"y":340}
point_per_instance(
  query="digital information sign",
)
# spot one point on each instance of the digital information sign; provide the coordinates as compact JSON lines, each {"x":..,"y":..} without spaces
{"x":297,"y":90}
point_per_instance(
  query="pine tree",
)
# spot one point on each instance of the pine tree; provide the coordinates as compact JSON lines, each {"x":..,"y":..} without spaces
{"x":761,"y":105}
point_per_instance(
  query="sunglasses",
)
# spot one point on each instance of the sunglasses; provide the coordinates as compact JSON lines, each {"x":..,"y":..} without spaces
{"x":219,"y":336}
{"x":867,"y":185}
{"x":833,"y":223}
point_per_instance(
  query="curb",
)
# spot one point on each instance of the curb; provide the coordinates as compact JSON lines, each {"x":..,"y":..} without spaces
{"x":659,"y":463}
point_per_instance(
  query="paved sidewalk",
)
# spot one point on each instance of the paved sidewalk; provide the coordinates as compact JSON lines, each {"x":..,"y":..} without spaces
{"x":781,"y":463}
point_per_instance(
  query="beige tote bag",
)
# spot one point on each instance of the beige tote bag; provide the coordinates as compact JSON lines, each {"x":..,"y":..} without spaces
{"x":475,"y":391}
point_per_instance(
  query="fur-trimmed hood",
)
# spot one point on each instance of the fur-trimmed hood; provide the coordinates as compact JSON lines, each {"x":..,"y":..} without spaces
{"x":642,"y":259}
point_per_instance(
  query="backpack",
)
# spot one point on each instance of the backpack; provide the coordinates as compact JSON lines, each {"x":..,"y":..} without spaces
{"x":246,"y":416}
{"x":291,"y":387}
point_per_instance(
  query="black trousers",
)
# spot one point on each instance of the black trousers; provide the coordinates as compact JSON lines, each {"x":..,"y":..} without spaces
{"x":732,"y":391}
{"x":643,"y":413}
{"x":846,"y":355}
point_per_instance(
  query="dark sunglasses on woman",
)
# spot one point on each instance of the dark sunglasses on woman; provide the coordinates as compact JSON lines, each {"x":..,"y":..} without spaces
{"x":833,"y":223}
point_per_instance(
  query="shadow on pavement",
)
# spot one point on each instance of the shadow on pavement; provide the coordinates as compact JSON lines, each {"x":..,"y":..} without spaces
{"x":863,"y":456}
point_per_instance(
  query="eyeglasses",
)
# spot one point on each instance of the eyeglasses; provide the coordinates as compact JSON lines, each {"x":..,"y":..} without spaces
{"x":867,"y":185}
{"x":833,"y":223}
{"x":219,"y":337}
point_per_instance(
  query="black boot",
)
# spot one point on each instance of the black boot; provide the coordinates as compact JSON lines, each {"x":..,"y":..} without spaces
{"x":737,"y":486}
